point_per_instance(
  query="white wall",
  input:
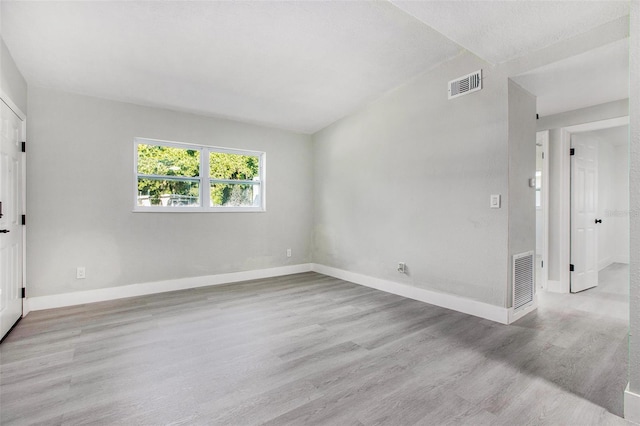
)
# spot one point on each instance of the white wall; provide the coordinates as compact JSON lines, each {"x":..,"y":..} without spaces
{"x":555,"y":202}
{"x":613,"y":201}
{"x":620,"y":215}
{"x":615,"y":109}
{"x":607,"y":195}
{"x":522,"y":167}
{"x":11,"y":81}
{"x":607,"y":201}
{"x":409,"y":179}
{"x":632,"y":406}
{"x":80,"y":198}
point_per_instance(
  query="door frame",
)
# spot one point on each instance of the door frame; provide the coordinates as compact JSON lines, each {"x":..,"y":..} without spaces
{"x":545,"y":209}
{"x":23,"y":117}
{"x":564,"y":285}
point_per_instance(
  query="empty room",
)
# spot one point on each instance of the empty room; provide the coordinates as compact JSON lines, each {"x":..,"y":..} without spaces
{"x":320,"y":212}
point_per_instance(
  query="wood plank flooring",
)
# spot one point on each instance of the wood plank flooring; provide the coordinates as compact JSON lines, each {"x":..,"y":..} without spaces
{"x":308,"y":349}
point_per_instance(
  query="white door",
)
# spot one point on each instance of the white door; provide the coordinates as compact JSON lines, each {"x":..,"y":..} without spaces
{"x":11,"y":220}
{"x":584,"y":207}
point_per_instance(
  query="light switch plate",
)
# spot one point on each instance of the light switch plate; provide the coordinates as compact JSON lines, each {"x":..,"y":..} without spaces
{"x":495,"y":201}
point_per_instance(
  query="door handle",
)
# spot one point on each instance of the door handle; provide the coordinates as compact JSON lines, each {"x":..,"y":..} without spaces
{"x":598,"y":221}
{"x":4,"y":231}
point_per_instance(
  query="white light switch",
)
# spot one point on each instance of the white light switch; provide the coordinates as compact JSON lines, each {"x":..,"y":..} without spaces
{"x":495,"y":201}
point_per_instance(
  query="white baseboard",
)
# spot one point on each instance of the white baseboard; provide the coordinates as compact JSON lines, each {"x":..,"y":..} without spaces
{"x":449,"y":301}
{"x":603,"y":263}
{"x":631,"y":406}
{"x":621,"y":258}
{"x":618,"y":258}
{"x":26,"y":307}
{"x":515,"y":316}
{"x":131,"y":290}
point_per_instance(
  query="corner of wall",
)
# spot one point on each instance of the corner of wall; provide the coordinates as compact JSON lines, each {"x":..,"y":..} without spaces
{"x":522,"y":167}
{"x":632,"y":398}
{"x":444,"y":300}
{"x":12,"y":83}
{"x":631,"y":406}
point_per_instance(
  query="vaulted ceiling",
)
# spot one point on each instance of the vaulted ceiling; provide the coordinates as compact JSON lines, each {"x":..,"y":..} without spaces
{"x":294,"y":65}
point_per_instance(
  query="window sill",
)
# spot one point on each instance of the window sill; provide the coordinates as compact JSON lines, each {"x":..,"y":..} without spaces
{"x":198,"y":210}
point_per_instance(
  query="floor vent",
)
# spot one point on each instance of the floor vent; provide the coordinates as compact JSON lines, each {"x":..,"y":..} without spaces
{"x":467,"y":84}
{"x":523,"y":287}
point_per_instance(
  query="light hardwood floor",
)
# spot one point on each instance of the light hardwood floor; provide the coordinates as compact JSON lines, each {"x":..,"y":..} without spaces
{"x":309,"y":349}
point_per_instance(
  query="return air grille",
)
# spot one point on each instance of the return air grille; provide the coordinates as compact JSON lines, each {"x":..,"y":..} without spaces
{"x":522,"y":280}
{"x":467,"y":84}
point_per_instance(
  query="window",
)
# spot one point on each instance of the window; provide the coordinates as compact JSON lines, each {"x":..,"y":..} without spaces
{"x":173,"y":176}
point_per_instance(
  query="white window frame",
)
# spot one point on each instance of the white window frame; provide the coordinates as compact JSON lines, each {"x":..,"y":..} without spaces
{"x":204,"y":179}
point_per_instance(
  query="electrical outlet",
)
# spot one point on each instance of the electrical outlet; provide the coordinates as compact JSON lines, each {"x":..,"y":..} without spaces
{"x":288,"y":252}
{"x":401,"y":267}
{"x":80,"y":273}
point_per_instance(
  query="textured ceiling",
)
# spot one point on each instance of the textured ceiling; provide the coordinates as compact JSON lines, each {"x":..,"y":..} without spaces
{"x":597,"y":76}
{"x":294,"y":65}
{"x":498,"y":31}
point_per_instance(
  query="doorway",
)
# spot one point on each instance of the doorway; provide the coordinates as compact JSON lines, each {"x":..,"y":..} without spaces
{"x":612,"y":214}
{"x":12,"y":207}
{"x":599,"y":204}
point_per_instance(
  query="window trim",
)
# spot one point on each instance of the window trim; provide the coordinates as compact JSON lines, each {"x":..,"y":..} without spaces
{"x":203,"y":179}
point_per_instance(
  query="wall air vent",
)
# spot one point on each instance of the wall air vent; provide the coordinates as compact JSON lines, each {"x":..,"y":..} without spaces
{"x":464,"y":85}
{"x":523,"y":288}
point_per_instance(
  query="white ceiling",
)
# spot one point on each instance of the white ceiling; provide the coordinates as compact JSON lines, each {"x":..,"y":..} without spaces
{"x":292,"y":65}
{"x":597,"y":76}
{"x":498,"y":31}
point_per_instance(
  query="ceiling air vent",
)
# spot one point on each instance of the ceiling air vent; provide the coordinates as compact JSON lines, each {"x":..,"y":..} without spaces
{"x":467,"y":84}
